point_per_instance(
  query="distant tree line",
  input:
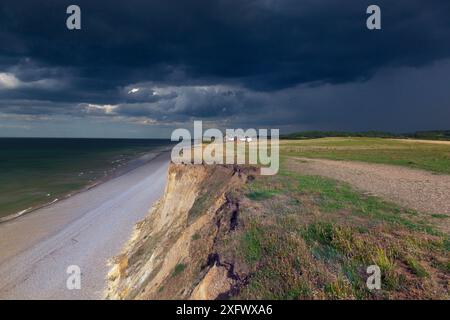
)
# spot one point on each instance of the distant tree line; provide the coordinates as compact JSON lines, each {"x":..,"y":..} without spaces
{"x":426,"y":135}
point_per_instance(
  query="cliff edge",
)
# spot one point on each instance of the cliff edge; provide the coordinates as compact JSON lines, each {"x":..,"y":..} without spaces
{"x":226,"y":231}
{"x":175,"y":252}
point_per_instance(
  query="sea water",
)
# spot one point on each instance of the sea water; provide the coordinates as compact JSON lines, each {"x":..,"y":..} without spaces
{"x":39,"y":171}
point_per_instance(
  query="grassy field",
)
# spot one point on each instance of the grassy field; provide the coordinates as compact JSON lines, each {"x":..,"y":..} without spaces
{"x":297,"y":236}
{"x":308,"y":237}
{"x":415,"y":154}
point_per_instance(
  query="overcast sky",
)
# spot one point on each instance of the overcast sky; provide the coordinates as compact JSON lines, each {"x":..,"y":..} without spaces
{"x":143,"y":68}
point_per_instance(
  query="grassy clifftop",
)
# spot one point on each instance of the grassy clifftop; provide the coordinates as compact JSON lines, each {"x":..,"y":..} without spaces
{"x":429,"y":135}
{"x":223,"y":232}
{"x":307,"y":237}
{"x":432,"y":156}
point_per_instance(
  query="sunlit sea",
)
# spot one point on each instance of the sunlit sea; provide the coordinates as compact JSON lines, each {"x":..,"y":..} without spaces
{"x":38,"y":171}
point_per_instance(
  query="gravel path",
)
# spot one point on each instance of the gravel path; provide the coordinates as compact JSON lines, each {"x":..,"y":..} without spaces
{"x":416,"y":189}
{"x":84,"y":230}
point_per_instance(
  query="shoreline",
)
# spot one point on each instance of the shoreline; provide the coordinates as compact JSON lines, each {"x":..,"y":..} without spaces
{"x":130,"y":165}
{"x":86,"y":229}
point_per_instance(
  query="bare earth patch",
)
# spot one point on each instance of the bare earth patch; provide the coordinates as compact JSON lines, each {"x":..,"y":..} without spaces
{"x":416,"y":189}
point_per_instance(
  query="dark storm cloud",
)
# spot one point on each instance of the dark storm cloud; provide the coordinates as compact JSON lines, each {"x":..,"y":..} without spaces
{"x":270,"y":44}
{"x":212,"y":59}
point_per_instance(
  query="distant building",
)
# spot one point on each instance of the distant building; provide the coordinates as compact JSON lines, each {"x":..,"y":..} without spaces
{"x":246,"y":139}
{"x":242,"y":139}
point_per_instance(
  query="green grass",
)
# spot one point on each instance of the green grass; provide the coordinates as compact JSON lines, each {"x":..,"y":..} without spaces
{"x":339,"y":289}
{"x":258,"y":190}
{"x":440,"y":216}
{"x":179,"y":268}
{"x":314,"y":237}
{"x":416,"y":267}
{"x":447,"y":245}
{"x":310,"y":237}
{"x":333,"y":196}
{"x":196,"y":237}
{"x":261,"y":194}
{"x":427,"y":156}
{"x":251,"y":244}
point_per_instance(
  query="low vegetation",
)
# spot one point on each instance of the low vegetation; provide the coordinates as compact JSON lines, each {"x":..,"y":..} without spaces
{"x":421,"y":155}
{"x":309,"y":237}
{"x":179,"y":268}
{"x":289,"y":236}
{"x":426,"y":135}
{"x":306,"y":237}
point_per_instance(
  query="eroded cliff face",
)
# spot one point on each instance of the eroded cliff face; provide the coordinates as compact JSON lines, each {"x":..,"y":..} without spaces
{"x":174,"y":253}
